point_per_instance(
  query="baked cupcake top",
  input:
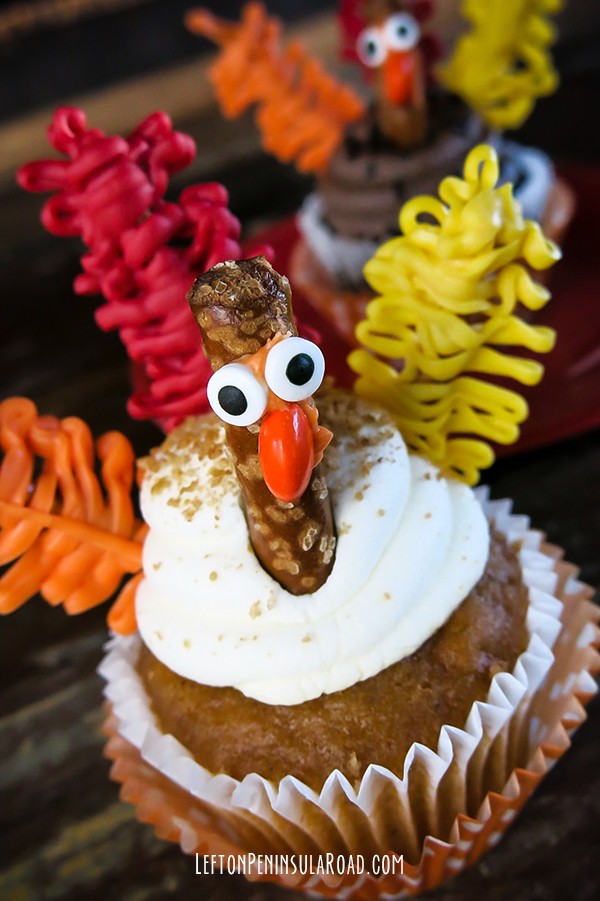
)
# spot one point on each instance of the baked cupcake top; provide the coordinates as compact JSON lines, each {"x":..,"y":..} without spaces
{"x":410,"y":547}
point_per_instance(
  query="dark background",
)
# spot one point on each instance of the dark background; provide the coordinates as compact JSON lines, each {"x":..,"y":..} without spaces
{"x":63,"y":832}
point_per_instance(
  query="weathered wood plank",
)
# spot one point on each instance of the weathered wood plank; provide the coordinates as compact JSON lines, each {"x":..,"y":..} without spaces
{"x":184,"y":91}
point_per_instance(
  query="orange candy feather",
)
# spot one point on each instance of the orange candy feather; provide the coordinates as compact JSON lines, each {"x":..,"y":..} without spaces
{"x":67,"y":533}
{"x":301,"y":110}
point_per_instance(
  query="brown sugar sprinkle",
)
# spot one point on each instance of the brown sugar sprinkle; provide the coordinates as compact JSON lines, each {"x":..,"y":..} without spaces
{"x":216,"y":475}
{"x":387,"y":596}
{"x":356,"y":426}
{"x":381,"y":513}
{"x":160,"y":485}
{"x":255,"y":610}
{"x":193,"y":486}
{"x":306,"y":638}
{"x":428,"y":516}
{"x":348,"y":417}
{"x":213,"y":576}
{"x":168,"y":466}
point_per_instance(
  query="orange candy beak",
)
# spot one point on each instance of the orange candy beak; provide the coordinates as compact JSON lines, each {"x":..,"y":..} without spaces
{"x":399,"y":75}
{"x":286,"y":452}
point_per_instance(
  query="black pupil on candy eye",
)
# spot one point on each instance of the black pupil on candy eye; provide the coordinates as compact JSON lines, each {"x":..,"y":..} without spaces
{"x":402,"y":31}
{"x":300,"y":369}
{"x":232,"y":400}
{"x":371,"y":47}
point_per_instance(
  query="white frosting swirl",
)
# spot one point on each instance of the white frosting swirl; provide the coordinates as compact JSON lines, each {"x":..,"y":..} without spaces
{"x":411,"y":545}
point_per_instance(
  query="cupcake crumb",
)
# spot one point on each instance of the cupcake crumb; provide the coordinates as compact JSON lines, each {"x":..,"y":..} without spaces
{"x":213,"y":576}
{"x":156,"y":565}
{"x":187,"y":644}
{"x":387,"y":596}
{"x":255,"y":610}
{"x":306,"y":638}
{"x":428,"y":516}
{"x":160,"y":485}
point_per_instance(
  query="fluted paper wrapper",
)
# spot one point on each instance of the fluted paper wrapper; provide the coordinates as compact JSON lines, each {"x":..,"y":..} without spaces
{"x":441,"y":813}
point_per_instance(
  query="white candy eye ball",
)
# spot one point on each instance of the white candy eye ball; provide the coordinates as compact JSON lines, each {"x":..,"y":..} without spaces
{"x":402,"y":32}
{"x":295,"y":368}
{"x":370,"y":47}
{"x":236,"y":395}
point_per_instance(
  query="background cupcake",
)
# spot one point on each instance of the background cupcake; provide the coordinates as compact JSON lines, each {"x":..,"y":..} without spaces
{"x":419,"y":125}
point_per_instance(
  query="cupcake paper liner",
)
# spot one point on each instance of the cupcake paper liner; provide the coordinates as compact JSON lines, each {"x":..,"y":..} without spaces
{"x":449,"y":805}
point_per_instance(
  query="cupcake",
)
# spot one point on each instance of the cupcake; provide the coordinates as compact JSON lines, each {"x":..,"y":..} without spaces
{"x":420,"y":124}
{"x":321,"y":613}
{"x":341,"y":650}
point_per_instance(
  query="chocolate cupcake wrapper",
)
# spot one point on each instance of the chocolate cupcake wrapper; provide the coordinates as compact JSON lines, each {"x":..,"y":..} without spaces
{"x":446,"y":809}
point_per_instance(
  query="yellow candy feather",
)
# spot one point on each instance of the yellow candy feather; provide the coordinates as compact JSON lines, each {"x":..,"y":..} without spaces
{"x":447,"y":292}
{"x":503,"y":64}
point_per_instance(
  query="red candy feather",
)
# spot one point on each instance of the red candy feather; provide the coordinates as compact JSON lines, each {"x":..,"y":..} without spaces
{"x":144,"y":253}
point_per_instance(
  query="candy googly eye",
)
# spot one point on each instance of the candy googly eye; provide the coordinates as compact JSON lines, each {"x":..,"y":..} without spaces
{"x":370,"y":47}
{"x":294,"y":369}
{"x":402,"y":32}
{"x":236,"y":395}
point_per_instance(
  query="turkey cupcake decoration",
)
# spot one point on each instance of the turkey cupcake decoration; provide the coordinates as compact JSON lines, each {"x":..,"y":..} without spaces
{"x":265,"y":376}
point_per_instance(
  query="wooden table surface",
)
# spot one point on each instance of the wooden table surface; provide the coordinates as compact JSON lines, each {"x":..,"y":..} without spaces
{"x":64,"y":834}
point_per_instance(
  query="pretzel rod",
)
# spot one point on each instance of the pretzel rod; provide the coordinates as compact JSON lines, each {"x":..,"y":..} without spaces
{"x":239,"y":307}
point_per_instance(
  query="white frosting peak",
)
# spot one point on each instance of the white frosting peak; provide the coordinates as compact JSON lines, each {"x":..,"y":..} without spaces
{"x":411,"y":545}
